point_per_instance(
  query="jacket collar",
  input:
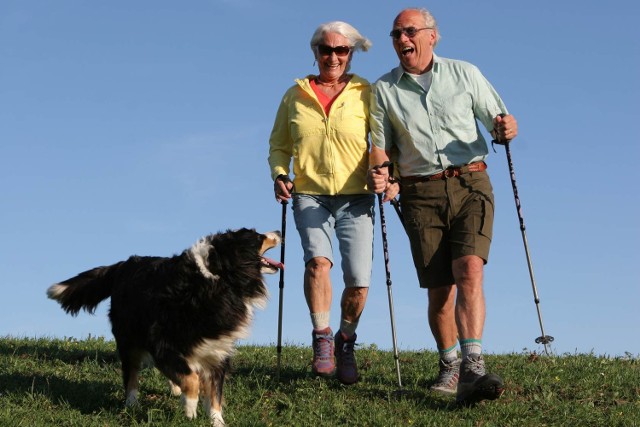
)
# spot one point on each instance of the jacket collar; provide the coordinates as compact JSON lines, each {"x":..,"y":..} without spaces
{"x":355,"y":81}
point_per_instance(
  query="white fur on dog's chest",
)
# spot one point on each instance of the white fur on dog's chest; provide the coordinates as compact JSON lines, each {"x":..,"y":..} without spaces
{"x":213,"y":351}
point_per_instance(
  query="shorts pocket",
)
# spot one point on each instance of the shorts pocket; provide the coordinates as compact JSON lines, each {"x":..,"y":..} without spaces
{"x":424,"y":241}
{"x":486,"y":228}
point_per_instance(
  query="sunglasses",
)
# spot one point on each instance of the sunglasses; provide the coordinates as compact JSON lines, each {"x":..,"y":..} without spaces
{"x":325,"y":50}
{"x":409,"y":32}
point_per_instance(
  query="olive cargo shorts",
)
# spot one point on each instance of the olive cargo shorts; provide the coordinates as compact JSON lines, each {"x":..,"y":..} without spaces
{"x":445,"y":220}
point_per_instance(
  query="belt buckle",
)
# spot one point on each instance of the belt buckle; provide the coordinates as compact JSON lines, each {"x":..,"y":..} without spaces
{"x":449,"y":173}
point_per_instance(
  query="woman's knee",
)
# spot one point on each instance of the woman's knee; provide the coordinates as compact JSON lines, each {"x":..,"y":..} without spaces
{"x":318,"y":266}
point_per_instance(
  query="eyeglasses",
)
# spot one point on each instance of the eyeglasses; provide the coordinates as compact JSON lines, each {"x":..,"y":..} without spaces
{"x":409,"y":32}
{"x":325,"y":50}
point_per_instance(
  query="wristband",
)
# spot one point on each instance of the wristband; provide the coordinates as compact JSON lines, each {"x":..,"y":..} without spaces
{"x":284,"y":178}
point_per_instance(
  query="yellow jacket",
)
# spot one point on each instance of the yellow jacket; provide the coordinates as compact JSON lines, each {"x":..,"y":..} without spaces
{"x":330,"y":154}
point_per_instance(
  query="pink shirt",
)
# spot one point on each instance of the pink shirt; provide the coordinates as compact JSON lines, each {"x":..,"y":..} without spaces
{"x":322,"y":97}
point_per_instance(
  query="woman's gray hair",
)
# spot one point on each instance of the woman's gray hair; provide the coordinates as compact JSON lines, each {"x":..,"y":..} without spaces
{"x":356,"y":40}
{"x":429,"y":21}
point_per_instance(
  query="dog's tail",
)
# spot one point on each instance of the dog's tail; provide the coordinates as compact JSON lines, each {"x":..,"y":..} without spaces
{"x":85,"y":291}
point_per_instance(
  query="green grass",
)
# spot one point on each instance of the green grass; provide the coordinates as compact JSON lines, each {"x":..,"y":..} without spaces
{"x":70,"y":382}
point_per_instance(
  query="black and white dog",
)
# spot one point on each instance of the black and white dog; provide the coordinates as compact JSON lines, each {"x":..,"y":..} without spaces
{"x":186,"y":312}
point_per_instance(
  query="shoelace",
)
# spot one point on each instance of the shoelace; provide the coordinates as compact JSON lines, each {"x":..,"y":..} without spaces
{"x":475,"y":366}
{"x":322,"y":347}
{"x":448,"y":373}
{"x":448,"y":366}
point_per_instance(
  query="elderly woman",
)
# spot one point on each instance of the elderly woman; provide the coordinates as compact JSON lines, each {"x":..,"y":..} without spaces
{"x":322,"y":124}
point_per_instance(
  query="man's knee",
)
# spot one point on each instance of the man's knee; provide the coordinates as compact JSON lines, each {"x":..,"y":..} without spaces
{"x":468,"y":270}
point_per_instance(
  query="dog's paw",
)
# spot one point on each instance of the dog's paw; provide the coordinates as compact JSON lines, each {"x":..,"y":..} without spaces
{"x":216,"y":419}
{"x":132,"y":398}
{"x":190,"y":407}
{"x":175,"y":389}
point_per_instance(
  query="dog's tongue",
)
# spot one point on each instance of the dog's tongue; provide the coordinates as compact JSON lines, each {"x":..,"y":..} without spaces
{"x":276,"y":264}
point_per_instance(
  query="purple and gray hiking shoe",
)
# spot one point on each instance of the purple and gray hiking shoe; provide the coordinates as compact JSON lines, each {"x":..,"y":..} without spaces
{"x":347,"y":369}
{"x":323,"y":348}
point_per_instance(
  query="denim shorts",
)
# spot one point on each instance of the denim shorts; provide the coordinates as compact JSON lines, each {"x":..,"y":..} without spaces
{"x":445,"y":220}
{"x":350,"y":218}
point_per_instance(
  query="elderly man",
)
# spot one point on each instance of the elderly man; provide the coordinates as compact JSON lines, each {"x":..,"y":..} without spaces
{"x":424,"y":117}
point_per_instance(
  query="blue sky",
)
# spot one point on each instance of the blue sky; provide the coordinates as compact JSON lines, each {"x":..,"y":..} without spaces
{"x":138,"y":127}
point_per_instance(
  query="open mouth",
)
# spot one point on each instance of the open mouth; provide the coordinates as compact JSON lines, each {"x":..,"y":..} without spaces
{"x":407,"y":50}
{"x":269,"y":265}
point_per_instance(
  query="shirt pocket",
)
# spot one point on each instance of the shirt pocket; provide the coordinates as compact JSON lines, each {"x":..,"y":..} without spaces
{"x":350,"y":116}
{"x":305,"y":120}
{"x":456,"y":113}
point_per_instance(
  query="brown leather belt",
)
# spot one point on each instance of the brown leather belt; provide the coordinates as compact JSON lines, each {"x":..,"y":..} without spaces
{"x":447,"y":173}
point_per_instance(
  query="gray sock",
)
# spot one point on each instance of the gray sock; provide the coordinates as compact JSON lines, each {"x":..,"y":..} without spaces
{"x":348,"y":328}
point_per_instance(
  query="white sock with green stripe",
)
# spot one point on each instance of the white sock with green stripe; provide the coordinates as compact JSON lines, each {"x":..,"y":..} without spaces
{"x":448,"y":354}
{"x":470,"y":346}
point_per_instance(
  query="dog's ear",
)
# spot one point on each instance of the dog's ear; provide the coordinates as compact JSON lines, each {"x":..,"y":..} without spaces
{"x":213,"y":259}
{"x":250,"y":238}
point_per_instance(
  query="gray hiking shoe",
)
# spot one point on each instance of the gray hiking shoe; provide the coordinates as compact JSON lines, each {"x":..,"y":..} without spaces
{"x":475,"y":384}
{"x":447,"y":381}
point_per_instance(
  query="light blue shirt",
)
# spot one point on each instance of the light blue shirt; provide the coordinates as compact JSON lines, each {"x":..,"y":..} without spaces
{"x":429,"y":131}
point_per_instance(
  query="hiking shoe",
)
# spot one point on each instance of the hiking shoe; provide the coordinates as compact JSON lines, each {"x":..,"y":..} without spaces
{"x":347,"y":369}
{"x":475,"y":384}
{"x":323,"y":363}
{"x":447,"y":381}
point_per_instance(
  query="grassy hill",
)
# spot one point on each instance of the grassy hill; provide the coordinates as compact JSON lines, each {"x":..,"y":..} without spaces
{"x":70,"y":382}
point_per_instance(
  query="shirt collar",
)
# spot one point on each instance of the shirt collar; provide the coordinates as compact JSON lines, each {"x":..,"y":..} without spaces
{"x":398,"y":72}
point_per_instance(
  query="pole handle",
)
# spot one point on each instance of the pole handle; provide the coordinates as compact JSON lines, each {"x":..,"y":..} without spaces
{"x":498,"y":141}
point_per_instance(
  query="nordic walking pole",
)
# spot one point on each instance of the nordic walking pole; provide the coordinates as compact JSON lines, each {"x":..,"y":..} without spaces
{"x":543,"y":339}
{"x":387,"y":270}
{"x":281,"y":286}
{"x":385,"y":248}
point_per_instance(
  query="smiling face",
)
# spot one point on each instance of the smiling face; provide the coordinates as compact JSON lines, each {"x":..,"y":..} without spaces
{"x":331,"y":67}
{"x":416,"y":52}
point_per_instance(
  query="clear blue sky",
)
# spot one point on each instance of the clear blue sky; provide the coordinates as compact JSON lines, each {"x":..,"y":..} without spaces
{"x":136,"y":127}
